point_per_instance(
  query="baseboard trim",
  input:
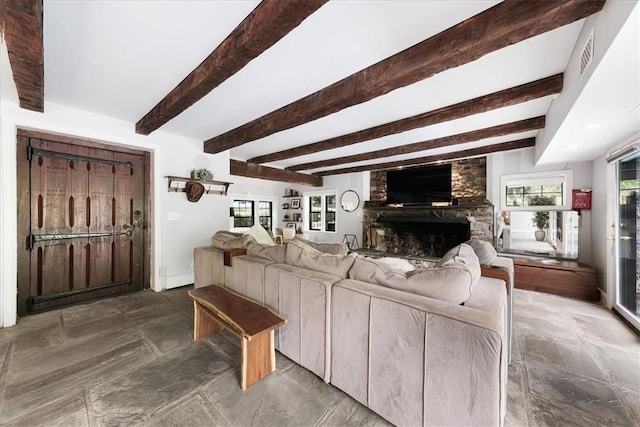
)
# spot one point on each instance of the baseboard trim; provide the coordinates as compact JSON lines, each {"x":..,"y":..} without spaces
{"x":179,"y":280}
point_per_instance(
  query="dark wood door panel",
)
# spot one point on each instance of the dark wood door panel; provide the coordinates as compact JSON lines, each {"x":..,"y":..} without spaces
{"x":86,"y":208}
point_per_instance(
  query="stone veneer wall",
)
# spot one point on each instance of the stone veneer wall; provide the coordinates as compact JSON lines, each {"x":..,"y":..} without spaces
{"x":468,"y":179}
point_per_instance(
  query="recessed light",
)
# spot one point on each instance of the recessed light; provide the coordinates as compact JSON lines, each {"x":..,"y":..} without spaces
{"x":592,"y":126}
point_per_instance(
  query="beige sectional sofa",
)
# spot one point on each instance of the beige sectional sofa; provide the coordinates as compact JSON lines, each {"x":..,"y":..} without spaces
{"x":413,"y":359}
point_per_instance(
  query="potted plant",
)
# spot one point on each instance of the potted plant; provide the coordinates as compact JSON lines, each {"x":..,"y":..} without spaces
{"x":541,"y":218}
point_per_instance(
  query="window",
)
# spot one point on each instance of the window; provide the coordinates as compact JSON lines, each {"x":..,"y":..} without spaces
{"x":246,"y":209}
{"x":315,"y":213}
{"x":537,"y":191}
{"x":322,"y":212}
{"x":330,"y":212}
{"x":265,"y":214}
{"x":525,"y":195}
{"x":243,"y":213}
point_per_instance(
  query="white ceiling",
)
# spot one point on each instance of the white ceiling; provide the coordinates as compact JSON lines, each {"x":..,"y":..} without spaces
{"x":119,"y":58}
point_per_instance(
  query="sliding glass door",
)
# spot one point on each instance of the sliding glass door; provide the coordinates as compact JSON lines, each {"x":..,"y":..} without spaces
{"x":627,"y":238}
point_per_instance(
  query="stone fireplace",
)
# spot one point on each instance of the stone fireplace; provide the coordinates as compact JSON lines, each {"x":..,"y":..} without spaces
{"x":429,"y":231}
{"x":425,"y":231}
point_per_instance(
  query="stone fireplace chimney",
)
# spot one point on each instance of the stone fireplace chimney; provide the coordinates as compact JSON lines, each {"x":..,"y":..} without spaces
{"x":429,"y":231}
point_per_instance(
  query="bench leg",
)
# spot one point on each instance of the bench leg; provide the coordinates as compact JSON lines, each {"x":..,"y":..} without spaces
{"x":258,"y":359}
{"x":203,"y":323}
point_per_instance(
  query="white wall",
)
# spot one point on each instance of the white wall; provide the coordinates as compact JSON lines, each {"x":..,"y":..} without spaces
{"x":522,"y":161}
{"x":346,"y":222}
{"x":197,"y":221}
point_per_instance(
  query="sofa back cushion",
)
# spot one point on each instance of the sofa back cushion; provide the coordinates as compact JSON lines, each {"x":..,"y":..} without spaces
{"x":462,"y":254}
{"x":452,"y":283}
{"x":274,"y":253}
{"x":327,"y":248}
{"x":227,"y":240}
{"x":301,"y":254}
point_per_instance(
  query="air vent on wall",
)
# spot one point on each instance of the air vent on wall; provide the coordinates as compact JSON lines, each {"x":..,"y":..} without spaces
{"x":586,"y":56}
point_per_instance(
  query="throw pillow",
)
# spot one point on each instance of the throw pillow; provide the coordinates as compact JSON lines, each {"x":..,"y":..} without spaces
{"x":226,"y":240}
{"x":303,"y":255}
{"x":484,"y":250}
{"x":462,"y":254}
{"x":274,"y":253}
{"x":260,"y":234}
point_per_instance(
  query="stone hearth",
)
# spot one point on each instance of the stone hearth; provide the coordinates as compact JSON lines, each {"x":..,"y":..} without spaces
{"x":425,"y":231}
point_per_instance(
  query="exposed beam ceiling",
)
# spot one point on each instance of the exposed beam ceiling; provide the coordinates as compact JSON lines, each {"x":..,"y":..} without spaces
{"x":507,"y":23}
{"x":515,"y":95}
{"x":488,"y":149}
{"x":261,"y":29}
{"x":22,"y":28}
{"x":461,"y":138}
{"x":252,"y":170}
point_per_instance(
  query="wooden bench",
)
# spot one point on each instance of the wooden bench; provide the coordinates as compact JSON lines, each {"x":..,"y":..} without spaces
{"x":216,"y":307}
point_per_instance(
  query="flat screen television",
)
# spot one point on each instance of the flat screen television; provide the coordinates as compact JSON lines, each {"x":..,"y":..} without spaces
{"x":420,"y":186}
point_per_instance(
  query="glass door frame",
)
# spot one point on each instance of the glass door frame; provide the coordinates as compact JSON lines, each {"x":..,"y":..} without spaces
{"x":632,"y":318}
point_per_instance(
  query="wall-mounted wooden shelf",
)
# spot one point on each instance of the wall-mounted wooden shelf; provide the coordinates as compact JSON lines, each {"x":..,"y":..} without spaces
{"x":177,"y":185}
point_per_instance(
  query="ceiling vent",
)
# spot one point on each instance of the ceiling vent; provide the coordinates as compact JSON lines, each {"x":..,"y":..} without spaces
{"x":586,"y":56}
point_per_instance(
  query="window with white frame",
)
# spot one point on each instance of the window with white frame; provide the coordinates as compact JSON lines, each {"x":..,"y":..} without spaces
{"x":536,"y":191}
{"x":322,"y":211}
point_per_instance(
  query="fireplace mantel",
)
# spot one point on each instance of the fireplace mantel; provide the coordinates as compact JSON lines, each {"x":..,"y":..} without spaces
{"x":422,"y":219}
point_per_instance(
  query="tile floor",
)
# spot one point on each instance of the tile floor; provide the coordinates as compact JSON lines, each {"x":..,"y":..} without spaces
{"x":131,"y":361}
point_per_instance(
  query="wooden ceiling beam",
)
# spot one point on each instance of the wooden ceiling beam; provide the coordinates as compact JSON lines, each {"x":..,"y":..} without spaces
{"x":252,"y":170}
{"x":446,"y":141}
{"x":507,"y":23}
{"x":23,"y":33}
{"x":504,"y":98}
{"x":270,"y":21}
{"x":473,"y":152}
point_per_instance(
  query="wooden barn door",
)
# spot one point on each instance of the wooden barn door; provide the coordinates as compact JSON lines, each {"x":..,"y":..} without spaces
{"x":86,"y":220}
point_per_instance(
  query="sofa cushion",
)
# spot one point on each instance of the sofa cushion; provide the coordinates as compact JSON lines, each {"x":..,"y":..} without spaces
{"x":301,"y":254}
{"x":327,"y":248}
{"x":462,"y":254}
{"x":484,"y":250}
{"x":274,"y":253}
{"x":260,"y":234}
{"x":451,"y":283}
{"x":227,"y":240}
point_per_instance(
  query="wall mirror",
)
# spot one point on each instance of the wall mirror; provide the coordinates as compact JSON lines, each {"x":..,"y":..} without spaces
{"x":349,"y":201}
